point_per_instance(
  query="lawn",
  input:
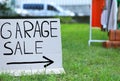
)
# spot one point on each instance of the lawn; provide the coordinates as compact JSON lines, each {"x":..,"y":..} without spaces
{"x":80,"y":61}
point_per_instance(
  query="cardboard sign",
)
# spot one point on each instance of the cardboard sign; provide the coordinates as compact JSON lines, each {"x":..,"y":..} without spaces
{"x":30,"y":46}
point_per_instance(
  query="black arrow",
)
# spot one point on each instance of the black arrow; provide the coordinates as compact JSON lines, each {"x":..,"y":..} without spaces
{"x":49,"y":62}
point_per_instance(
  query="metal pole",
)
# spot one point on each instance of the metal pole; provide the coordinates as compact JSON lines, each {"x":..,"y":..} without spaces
{"x":90,"y":35}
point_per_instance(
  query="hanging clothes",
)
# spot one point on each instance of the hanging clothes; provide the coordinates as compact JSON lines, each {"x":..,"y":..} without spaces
{"x":112,"y":16}
{"x":104,"y":20}
{"x":97,"y":8}
{"x":104,"y":16}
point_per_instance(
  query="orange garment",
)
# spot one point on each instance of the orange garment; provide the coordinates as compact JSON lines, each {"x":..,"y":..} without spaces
{"x":97,"y":8}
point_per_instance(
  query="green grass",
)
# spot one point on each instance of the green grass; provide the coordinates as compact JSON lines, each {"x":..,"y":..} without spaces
{"x":80,"y":61}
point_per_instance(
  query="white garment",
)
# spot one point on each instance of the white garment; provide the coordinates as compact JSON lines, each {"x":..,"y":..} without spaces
{"x":104,"y":18}
{"x":104,"y":15}
{"x":112,"y":22}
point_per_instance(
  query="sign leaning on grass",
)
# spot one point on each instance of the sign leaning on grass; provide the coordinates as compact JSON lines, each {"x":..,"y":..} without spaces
{"x":30,"y":46}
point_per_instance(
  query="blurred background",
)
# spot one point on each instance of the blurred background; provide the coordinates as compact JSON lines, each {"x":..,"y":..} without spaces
{"x":72,"y":9}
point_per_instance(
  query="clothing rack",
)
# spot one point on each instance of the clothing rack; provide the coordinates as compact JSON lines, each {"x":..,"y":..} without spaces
{"x":90,"y":32}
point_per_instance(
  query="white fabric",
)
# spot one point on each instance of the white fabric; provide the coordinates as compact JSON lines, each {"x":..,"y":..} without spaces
{"x":104,"y":15}
{"x":112,"y":24}
{"x":104,"y":18}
